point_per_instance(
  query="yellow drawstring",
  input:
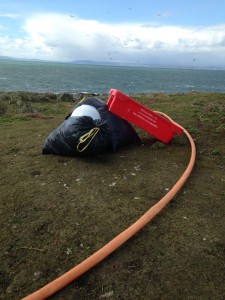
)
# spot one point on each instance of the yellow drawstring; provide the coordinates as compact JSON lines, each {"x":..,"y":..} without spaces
{"x":87,"y":139}
{"x":82,"y":99}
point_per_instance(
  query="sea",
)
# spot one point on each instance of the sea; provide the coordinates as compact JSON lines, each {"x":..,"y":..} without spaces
{"x":35,"y":76}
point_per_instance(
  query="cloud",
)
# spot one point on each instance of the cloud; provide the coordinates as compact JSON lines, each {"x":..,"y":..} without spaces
{"x":66,"y":38}
{"x":9,"y":15}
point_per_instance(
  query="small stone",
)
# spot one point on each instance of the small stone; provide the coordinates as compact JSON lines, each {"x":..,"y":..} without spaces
{"x":37,"y":274}
{"x":68,"y":251}
{"x":106,"y":295}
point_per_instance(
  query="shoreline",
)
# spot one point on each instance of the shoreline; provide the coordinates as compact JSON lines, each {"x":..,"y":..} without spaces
{"x":62,"y":95}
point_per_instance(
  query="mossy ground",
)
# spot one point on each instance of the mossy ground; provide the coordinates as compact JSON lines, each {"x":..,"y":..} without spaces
{"x":56,"y":211}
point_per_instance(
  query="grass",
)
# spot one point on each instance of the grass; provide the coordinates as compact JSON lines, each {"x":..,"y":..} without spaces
{"x":56,"y":211}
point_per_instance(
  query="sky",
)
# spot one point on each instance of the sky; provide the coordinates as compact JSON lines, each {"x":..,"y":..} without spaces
{"x":155,"y":32}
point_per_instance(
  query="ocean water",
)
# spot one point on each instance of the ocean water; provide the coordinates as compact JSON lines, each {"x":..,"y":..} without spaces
{"x":72,"y":78}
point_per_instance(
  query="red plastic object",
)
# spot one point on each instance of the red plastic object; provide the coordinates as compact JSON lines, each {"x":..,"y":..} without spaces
{"x":139,"y":115}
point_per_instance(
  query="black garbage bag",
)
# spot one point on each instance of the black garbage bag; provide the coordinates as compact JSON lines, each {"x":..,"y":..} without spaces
{"x":83,"y":136}
{"x":122,"y":133}
{"x":78,"y":137}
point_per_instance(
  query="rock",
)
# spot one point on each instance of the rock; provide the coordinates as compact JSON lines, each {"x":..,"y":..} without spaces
{"x":24,"y":107}
{"x":65,"y":97}
{"x":3,"y":109}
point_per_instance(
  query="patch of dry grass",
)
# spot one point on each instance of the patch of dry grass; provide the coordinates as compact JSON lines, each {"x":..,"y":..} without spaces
{"x":56,"y":211}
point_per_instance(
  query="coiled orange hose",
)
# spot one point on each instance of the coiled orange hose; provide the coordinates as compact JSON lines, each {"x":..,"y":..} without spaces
{"x":115,"y":243}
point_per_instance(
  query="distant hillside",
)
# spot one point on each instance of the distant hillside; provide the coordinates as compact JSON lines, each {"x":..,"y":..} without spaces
{"x":111,"y":63}
{"x":19,"y":59}
{"x":6,"y":58}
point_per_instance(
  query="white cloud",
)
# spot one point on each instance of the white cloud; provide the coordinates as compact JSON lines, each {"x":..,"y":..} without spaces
{"x":64,"y":37}
{"x":9,"y":15}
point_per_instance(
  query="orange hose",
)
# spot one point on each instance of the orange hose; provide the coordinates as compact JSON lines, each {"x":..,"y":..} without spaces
{"x":115,"y":243}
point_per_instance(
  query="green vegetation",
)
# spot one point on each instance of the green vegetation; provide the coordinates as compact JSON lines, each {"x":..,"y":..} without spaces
{"x":56,"y":211}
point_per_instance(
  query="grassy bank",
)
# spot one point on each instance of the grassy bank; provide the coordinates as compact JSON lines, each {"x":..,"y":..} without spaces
{"x":56,"y":211}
